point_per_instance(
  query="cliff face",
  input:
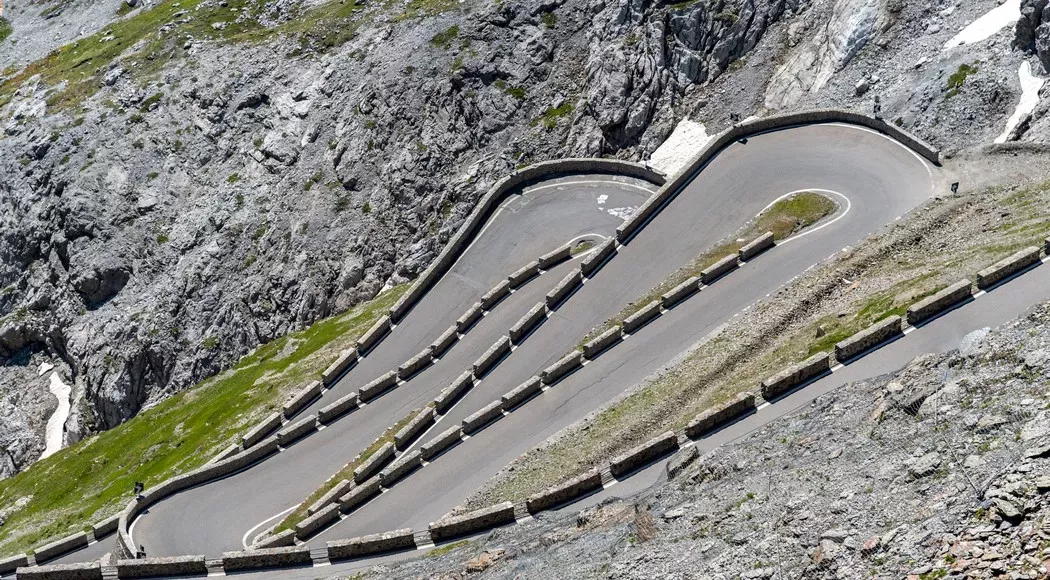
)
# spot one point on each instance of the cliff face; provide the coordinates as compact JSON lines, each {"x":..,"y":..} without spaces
{"x":187,"y":182}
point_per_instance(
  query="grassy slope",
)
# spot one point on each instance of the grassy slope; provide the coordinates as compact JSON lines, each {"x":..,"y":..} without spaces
{"x":93,"y":479}
{"x":731,"y":364}
{"x":139,"y":41}
{"x":783,"y":218}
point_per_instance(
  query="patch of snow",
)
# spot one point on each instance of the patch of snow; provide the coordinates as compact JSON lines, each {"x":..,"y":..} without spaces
{"x":56,"y":423}
{"x":602,"y":199}
{"x":992,"y":22}
{"x":44,"y":367}
{"x":1030,"y":85}
{"x":687,"y":139}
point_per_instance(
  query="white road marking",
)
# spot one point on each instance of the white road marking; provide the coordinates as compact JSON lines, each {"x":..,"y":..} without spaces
{"x":244,"y":538}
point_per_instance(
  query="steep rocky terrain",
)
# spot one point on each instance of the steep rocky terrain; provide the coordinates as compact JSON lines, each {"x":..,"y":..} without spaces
{"x":937,"y":471}
{"x":197,"y":178}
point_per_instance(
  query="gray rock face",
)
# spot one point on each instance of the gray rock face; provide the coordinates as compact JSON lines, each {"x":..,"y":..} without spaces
{"x":1032,"y":31}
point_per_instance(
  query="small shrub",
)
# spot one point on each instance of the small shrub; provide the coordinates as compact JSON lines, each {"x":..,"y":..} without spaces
{"x":443,"y":40}
{"x":233,"y":178}
{"x":366,"y":208}
{"x":549,"y":19}
{"x":152,"y":175}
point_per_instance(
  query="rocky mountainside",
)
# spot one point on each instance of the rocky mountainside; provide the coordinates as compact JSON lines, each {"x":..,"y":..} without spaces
{"x":196,"y":178}
{"x":937,"y":471}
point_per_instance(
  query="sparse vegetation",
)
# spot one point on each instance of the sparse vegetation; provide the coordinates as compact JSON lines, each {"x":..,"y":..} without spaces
{"x":5,"y":29}
{"x":958,"y":78}
{"x":549,"y":118}
{"x":445,"y":38}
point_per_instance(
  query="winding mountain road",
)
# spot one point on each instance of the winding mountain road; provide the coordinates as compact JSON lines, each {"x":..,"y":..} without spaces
{"x":874,"y":178}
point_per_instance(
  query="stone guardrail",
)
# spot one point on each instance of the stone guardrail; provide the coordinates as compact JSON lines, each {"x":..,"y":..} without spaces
{"x":297,"y":430}
{"x":526,"y":323}
{"x":570,"y":490}
{"x":476,"y":521}
{"x":564,"y":366}
{"x":341,"y":488}
{"x":156,"y":567}
{"x":85,"y":571}
{"x":592,"y":349}
{"x":374,"y":463}
{"x":401,"y":467}
{"x":795,"y":375}
{"x":680,"y":292}
{"x":441,"y":442}
{"x":1007,"y":267}
{"x":483,"y":417}
{"x":642,"y":317}
{"x":302,"y":398}
{"x":939,"y":302}
{"x":568,"y":284}
{"x":720,"y":268}
{"x":521,"y":393}
{"x":285,"y":557}
{"x":720,"y":415}
{"x":12,"y":563}
{"x":752,"y":127}
{"x":486,"y":361}
{"x":756,"y":246}
{"x":359,"y":494}
{"x":58,"y":547}
{"x":371,"y":544}
{"x":409,"y":432}
{"x":875,"y":334}
{"x":643,"y":454}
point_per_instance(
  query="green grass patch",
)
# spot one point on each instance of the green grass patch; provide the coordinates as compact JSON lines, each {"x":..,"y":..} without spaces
{"x":958,"y":78}
{"x":5,"y":28}
{"x":784,"y":218}
{"x":549,"y":117}
{"x":347,"y":472}
{"x":445,"y":38}
{"x":93,"y":479}
{"x":436,"y":552}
